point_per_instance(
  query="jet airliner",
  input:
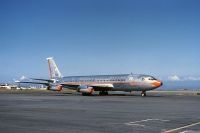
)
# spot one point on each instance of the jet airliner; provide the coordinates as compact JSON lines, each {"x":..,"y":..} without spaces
{"x":102,"y":83}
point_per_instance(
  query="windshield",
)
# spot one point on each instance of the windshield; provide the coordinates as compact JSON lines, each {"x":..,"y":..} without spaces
{"x":152,"y":78}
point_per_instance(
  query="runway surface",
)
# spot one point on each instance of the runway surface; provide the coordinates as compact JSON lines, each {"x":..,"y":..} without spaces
{"x":72,"y":113}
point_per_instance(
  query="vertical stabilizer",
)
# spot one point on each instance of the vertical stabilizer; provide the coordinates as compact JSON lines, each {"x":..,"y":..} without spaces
{"x":53,"y":69}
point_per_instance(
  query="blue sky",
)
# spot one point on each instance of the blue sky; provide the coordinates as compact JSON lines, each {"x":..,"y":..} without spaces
{"x":156,"y":37}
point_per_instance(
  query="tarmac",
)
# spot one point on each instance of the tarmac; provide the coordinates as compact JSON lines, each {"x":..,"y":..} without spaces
{"x":63,"y":112}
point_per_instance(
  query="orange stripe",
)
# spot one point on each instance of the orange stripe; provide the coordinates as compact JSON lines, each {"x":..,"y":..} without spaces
{"x":157,"y":84}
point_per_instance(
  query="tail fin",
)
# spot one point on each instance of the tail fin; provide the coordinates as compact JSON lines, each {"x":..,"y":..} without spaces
{"x":53,"y":69}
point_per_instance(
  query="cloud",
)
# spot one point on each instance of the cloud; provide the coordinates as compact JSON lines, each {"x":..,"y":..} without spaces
{"x":185,"y":78}
{"x":191,"y":78}
{"x":174,"y":78}
{"x":22,"y":78}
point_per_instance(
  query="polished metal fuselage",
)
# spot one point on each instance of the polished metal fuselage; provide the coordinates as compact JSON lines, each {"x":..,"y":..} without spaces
{"x":122,"y":82}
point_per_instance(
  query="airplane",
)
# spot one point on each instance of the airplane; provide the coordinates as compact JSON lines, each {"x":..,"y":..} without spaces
{"x":102,"y":83}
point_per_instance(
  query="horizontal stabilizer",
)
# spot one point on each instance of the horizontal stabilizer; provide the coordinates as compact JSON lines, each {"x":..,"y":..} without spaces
{"x":47,"y":80}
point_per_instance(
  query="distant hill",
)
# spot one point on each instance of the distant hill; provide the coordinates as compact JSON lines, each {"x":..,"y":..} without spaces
{"x":180,"y":85}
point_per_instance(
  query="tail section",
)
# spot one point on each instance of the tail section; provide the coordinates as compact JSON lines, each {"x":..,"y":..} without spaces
{"x":53,"y":69}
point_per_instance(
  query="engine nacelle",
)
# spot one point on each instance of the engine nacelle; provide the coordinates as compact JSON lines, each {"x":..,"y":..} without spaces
{"x":85,"y":90}
{"x":55,"y":87}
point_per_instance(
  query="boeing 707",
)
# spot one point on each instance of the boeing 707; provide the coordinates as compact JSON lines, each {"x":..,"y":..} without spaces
{"x":101,"y":83}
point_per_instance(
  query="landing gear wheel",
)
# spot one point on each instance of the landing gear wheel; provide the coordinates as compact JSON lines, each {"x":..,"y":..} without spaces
{"x":86,"y":94}
{"x":143,"y":94}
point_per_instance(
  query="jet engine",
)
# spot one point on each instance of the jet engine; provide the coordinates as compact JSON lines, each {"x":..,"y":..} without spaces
{"x":55,"y":87}
{"x":85,"y":90}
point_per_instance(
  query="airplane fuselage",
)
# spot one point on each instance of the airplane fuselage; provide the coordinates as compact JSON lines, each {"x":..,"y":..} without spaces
{"x":122,"y":82}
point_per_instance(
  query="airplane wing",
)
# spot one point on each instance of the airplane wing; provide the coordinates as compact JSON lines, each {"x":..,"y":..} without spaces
{"x":69,"y":85}
{"x":102,"y":87}
{"x":42,"y":83}
{"x":96,"y":87}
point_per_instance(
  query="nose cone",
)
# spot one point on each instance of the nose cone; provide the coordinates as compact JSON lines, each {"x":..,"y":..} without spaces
{"x":157,"y":83}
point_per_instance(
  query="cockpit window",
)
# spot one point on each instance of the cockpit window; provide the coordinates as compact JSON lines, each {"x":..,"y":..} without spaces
{"x":152,"y":78}
{"x":143,"y":78}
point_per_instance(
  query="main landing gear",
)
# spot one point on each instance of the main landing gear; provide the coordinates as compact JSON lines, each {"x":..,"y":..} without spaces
{"x":103,"y":93}
{"x":86,"y":94}
{"x":143,"y":94}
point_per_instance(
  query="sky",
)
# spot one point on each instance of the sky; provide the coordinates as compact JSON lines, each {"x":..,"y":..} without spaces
{"x":87,"y":37}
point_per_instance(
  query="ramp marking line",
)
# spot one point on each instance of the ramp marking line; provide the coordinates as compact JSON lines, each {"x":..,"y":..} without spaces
{"x":135,"y":123}
{"x":179,"y":128}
